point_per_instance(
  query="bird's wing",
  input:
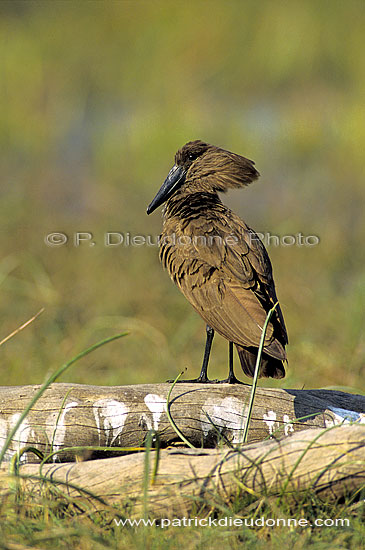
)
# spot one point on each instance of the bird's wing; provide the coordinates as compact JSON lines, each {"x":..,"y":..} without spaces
{"x":257,"y":273}
{"x":229,"y":282}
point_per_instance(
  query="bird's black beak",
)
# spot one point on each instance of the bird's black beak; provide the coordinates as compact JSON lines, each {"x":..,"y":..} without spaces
{"x":175,"y":178}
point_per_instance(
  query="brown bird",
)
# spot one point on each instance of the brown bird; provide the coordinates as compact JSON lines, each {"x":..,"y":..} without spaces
{"x":216,"y":260}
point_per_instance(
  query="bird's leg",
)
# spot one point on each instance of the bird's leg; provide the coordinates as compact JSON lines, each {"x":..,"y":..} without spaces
{"x":231,"y":377}
{"x":203,"y":376}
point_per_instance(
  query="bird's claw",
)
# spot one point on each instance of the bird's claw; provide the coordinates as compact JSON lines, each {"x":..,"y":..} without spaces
{"x":230,"y":380}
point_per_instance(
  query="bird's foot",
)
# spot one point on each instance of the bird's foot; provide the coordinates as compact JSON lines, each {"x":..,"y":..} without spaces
{"x":230,"y":380}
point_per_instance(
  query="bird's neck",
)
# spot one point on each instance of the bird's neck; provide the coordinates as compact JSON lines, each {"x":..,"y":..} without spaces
{"x":185,"y":204}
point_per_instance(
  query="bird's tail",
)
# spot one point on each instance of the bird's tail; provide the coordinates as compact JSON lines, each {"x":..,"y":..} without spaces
{"x":270,"y":367}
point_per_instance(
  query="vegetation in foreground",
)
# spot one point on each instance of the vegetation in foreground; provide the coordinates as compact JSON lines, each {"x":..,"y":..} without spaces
{"x":54,"y":522}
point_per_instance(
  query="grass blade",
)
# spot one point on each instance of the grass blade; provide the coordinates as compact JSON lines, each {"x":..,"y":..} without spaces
{"x":22,"y":327}
{"x":256,"y":374}
{"x":176,"y":429}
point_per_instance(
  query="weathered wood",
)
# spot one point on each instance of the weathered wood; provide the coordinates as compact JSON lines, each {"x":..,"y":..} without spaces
{"x":330,"y":463}
{"x":73,"y":415}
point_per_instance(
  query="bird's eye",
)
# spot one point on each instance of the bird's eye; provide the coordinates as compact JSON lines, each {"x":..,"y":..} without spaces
{"x":191,"y":156}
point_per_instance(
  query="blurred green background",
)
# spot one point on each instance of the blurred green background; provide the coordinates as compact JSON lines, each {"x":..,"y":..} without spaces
{"x":96,"y":98}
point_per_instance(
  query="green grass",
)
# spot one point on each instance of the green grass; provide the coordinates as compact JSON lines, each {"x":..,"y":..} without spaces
{"x":97,"y":100}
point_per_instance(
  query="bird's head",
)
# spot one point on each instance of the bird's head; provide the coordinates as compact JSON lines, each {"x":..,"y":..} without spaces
{"x":200,"y":167}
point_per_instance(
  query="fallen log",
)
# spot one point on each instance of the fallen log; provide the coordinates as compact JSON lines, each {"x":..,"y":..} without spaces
{"x":329,"y":463}
{"x":69,"y":415}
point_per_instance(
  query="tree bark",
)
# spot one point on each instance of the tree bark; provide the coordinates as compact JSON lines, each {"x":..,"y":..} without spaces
{"x":70,"y":415}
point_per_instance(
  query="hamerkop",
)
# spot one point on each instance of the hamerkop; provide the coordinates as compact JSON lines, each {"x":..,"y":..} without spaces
{"x":216,"y":260}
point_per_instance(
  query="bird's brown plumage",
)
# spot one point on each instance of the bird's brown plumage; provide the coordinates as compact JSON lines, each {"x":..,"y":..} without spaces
{"x":216,"y":260}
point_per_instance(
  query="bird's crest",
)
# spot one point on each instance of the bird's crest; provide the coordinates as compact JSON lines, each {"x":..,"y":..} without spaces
{"x":210,"y":168}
